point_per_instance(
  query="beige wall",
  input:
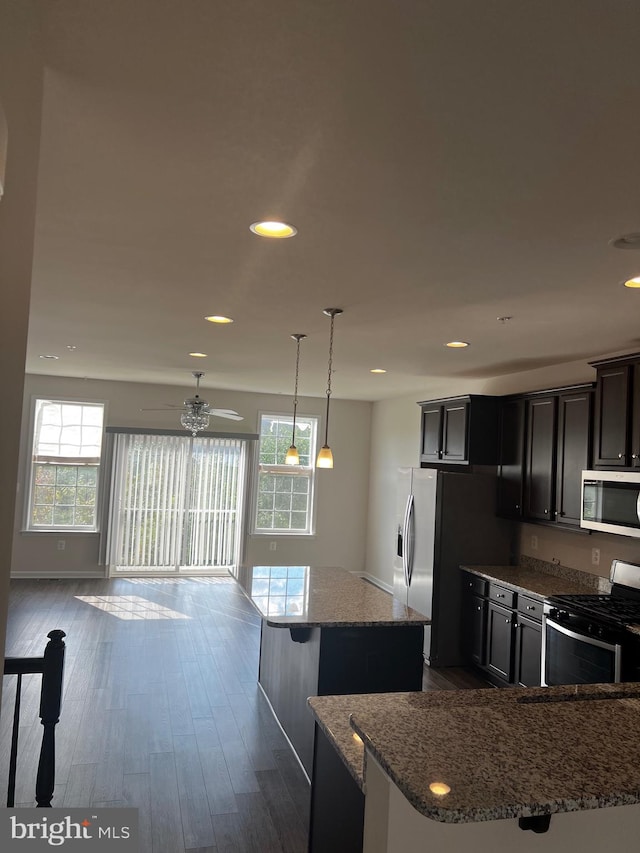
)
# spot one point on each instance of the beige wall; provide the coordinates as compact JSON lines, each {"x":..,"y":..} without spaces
{"x":341,"y":493}
{"x":20,"y":99}
{"x":395,"y":439}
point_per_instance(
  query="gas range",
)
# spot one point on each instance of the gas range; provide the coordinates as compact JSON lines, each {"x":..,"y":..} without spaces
{"x":615,"y":610}
{"x":585,"y":637}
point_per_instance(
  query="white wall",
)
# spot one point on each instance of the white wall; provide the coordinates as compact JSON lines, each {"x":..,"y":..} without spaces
{"x":395,"y":441}
{"x":20,"y":99}
{"x":341,"y":493}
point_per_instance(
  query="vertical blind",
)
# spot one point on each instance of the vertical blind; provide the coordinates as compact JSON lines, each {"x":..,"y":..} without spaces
{"x":176,"y":502}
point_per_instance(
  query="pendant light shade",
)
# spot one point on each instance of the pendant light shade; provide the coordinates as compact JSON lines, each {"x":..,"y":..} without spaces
{"x":293,"y":457}
{"x":325,"y":457}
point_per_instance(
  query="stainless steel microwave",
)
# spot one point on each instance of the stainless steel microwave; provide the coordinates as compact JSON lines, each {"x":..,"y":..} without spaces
{"x":611,"y":502}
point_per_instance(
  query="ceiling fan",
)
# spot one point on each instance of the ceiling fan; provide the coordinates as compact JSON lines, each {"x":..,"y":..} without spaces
{"x":196,"y":411}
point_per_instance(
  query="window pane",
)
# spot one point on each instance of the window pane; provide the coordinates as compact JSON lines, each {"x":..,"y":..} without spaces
{"x":280,"y":493}
{"x":67,"y":441}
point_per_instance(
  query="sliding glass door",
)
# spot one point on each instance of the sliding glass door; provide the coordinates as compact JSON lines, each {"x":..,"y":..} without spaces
{"x":176,"y":504}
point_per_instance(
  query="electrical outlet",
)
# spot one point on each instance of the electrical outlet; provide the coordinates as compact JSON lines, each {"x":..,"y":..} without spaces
{"x":534,"y":543}
{"x":595,"y":556}
{"x":273,"y":546}
{"x":61,"y":544}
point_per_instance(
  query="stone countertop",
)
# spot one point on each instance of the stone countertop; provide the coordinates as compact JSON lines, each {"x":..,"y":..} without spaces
{"x":327,"y":596}
{"x":502,"y":753}
{"x":525,"y":578}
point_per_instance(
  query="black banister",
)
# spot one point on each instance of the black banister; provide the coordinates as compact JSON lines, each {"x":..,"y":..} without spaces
{"x":51,"y":667}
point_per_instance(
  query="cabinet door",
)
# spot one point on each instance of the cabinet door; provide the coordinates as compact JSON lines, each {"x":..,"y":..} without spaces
{"x":500,"y":637}
{"x":612,"y":416}
{"x":431,"y":433}
{"x":540,"y":462}
{"x":454,"y":432}
{"x":635,"y":417}
{"x":475,"y":629}
{"x":528,"y":652}
{"x":511,"y":459}
{"x":573,"y":454}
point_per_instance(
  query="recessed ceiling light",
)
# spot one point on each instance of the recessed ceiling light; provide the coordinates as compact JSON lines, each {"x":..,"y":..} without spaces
{"x":71,"y":347}
{"x":270,"y":228}
{"x":198,"y":354}
{"x":54,"y":357}
{"x":218,"y":318}
{"x":633,"y":282}
{"x":457,"y":344}
{"x":627,"y":241}
{"x":378,"y":370}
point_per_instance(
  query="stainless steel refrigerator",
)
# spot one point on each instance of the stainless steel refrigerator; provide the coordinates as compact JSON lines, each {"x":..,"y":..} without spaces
{"x":444,"y":520}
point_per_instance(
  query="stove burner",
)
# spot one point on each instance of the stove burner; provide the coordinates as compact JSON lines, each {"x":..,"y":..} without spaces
{"x":615,"y":609}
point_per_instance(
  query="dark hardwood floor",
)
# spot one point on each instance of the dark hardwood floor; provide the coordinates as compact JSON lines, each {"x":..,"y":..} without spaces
{"x":162,"y":711}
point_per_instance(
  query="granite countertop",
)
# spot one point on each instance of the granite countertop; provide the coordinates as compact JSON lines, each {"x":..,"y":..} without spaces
{"x":529,"y":576}
{"x":502,"y":753}
{"x":327,"y":596}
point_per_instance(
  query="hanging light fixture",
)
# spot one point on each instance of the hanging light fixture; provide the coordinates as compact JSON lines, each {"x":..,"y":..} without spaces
{"x":325,"y":457}
{"x":293,"y":457}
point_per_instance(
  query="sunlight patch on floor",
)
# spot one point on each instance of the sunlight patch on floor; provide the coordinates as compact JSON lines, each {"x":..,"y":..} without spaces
{"x":131,"y":607}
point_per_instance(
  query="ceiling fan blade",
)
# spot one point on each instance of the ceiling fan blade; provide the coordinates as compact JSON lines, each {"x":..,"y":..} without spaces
{"x":172,"y":409}
{"x":225,"y":413}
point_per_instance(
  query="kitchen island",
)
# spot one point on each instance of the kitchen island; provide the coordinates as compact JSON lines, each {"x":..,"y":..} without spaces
{"x":469,"y":770}
{"x":326,"y":631}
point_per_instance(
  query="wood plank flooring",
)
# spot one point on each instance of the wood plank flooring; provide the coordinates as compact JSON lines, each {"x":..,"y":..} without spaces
{"x":162,"y":712}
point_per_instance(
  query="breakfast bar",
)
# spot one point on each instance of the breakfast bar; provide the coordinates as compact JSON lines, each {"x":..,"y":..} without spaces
{"x":326,"y":631}
{"x":469,"y":770}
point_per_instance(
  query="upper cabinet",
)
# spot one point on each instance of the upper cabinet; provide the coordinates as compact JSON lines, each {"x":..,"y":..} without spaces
{"x":617,"y":413}
{"x":545,"y":444}
{"x":459,"y":431}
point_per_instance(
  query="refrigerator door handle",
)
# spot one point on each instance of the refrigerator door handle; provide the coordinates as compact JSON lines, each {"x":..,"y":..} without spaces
{"x":405,"y":540}
{"x":409,"y":538}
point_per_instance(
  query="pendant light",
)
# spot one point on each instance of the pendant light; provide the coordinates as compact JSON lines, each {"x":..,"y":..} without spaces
{"x":325,"y":457}
{"x":292,"y":457}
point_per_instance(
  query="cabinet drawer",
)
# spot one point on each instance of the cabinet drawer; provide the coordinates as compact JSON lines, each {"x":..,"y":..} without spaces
{"x":502,"y":595}
{"x":531,"y":607}
{"x":475,"y":584}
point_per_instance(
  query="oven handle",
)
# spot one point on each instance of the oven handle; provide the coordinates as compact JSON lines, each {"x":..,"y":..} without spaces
{"x":616,"y":648}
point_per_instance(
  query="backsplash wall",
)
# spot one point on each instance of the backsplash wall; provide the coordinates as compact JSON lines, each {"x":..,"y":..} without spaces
{"x":575,"y":550}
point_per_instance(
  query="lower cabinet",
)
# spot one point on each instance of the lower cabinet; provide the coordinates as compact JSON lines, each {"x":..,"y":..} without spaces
{"x":503,"y":632}
{"x":500,"y":641}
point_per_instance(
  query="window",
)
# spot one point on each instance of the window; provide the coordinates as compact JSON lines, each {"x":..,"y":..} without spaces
{"x":63,"y":482}
{"x":176,"y":503}
{"x":284,"y":500}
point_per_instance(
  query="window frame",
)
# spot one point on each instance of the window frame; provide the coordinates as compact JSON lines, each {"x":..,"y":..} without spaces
{"x":71,"y":530}
{"x":287,"y":470}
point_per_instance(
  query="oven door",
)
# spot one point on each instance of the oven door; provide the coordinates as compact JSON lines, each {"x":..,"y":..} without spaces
{"x":571,"y":657}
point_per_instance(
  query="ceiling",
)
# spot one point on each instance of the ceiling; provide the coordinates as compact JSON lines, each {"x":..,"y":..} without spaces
{"x":446,"y":163}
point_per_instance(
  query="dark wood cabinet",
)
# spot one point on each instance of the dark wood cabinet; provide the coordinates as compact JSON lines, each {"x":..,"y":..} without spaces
{"x":502,"y":632}
{"x":617,"y":413}
{"x":528,"y":652}
{"x":431,"y":450}
{"x":540,"y":458}
{"x":459,"y":431}
{"x":545,"y":444}
{"x":474,"y":622}
{"x":511,"y":457}
{"x":500,"y":641}
{"x":573,"y":454}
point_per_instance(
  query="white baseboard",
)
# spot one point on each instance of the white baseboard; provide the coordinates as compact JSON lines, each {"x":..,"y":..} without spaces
{"x":45,"y":576}
{"x":375,"y":581}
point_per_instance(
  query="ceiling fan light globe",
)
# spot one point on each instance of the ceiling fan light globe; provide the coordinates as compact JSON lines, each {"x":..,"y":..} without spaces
{"x":194,"y":421}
